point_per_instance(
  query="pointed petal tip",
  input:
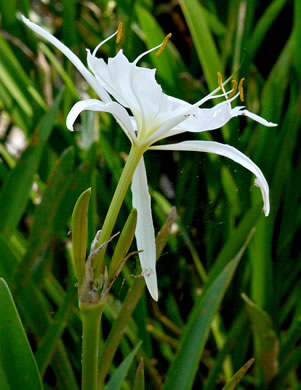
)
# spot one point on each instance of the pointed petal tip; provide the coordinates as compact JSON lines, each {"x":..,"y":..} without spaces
{"x":265,"y":195}
{"x":154,"y":293}
{"x":24,"y":19}
{"x":257,"y":118}
{"x":150,"y":278}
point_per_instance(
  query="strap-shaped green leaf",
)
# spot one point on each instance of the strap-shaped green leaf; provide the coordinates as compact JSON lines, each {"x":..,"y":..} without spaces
{"x":183,"y":369}
{"x":119,"y":375}
{"x":80,"y":233}
{"x":41,"y":232}
{"x":237,"y":377}
{"x":203,"y":41}
{"x":266,"y":340}
{"x":154,"y":35}
{"x":50,"y":341}
{"x":15,"y":192}
{"x":18,"y":367}
{"x":139,"y":378}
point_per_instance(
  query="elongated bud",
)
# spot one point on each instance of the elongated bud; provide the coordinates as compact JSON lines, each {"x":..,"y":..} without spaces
{"x":124,"y":243}
{"x":80,"y":234}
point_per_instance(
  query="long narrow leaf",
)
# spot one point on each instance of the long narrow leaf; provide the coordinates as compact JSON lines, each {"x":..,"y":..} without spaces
{"x":203,"y":41}
{"x":267,"y":343}
{"x":115,"y":382}
{"x":18,"y":365}
{"x":14,"y":195}
{"x":181,"y":374}
{"x":41,"y":231}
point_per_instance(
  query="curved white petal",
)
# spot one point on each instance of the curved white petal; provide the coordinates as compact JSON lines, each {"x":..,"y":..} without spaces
{"x":257,"y":118}
{"x":101,"y":92}
{"x":113,"y":108}
{"x":226,"y":151}
{"x":145,"y":233}
{"x":132,"y":86}
{"x":182,"y":116}
{"x":203,"y":119}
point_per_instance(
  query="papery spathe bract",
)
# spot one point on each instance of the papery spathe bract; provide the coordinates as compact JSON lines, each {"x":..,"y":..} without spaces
{"x":155,"y":116}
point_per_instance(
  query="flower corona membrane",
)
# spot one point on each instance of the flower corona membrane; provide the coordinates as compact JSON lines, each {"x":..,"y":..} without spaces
{"x":154,"y":116}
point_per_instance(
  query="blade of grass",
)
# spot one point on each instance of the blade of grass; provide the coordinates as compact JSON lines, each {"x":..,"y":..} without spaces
{"x":49,"y":342}
{"x":183,"y":369}
{"x":139,"y":378}
{"x":129,"y":304}
{"x":203,"y":41}
{"x":263,"y":25}
{"x":17,"y":360}
{"x":234,"y":336}
{"x":59,"y":68}
{"x":59,"y":184}
{"x":154,"y":35}
{"x":238,"y":376}
{"x":238,"y":236}
{"x":119,"y":375}
{"x":266,"y":340}
{"x":14,"y":195}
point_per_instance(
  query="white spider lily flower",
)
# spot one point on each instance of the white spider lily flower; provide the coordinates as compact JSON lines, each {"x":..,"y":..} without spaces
{"x":155,"y":116}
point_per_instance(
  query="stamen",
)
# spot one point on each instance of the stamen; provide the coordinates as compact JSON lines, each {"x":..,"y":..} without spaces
{"x":220,"y":80}
{"x":163,"y":44}
{"x":241,"y":90}
{"x":119,"y":33}
{"x":234,"y":88}
{"x":103,"y":42}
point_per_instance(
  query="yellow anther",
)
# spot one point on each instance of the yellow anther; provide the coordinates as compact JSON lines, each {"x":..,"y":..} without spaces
{"x":234,"y":88}
{"x":163,"y":44}
{"x":220,"y":80}
{"x":119,"y":33}
{"x":241,"y":90}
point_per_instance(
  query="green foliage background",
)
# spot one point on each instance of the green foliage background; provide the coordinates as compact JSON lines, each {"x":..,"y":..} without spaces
{"x":217,"y":205}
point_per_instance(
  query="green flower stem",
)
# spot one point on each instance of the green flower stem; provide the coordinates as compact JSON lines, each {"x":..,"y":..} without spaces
{"x":119,"y":195}
{"x":91,"y":317}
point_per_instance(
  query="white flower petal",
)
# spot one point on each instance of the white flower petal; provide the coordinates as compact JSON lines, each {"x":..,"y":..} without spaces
{"x":226,"y":151}
{"x":113,"y":108}
{"x":145,"y":233}
{"x":257,"y":118}
{"x":101,"y":92}
{"x":202,"y":119}
{"x":132,"y":86}
{"x":103,"y":75}
{"x":173,"y":120}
